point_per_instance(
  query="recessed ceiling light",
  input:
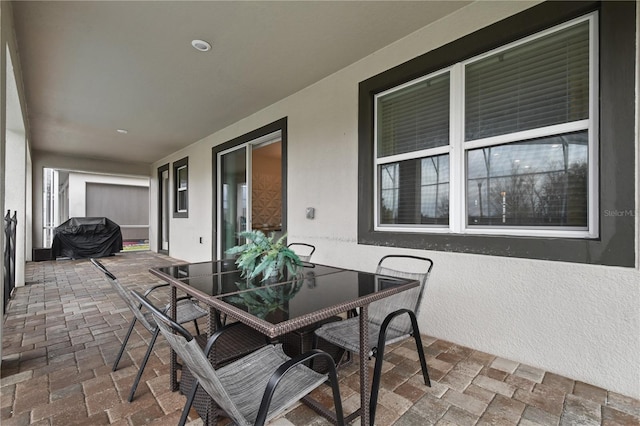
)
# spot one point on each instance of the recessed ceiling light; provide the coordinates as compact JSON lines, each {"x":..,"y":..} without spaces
{"x":123,"y":131}
{"x":201,"y":45}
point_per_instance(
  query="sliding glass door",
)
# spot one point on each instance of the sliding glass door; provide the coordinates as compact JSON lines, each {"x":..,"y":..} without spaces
{"x":249,"y":190}
{"x":233,"y":204}
{"x":164,"y":210}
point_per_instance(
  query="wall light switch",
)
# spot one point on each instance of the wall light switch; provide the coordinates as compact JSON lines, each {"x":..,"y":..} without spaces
{"x":311,"y":212}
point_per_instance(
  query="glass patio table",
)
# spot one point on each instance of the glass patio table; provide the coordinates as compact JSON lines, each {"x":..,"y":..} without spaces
{"x":278,"y":306}
{"x":207,"y":280}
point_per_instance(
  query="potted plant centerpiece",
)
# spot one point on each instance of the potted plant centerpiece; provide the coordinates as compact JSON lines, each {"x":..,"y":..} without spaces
{"x":262,"y":255}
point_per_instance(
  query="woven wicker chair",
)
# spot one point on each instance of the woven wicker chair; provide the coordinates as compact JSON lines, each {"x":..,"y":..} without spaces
{"x":252,"y":389}
{"x":303,"y":250}
{"x":187,"y":311}
{"x":387,"y":322}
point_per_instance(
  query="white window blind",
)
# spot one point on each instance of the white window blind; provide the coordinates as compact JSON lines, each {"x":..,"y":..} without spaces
{"x":414,"y":118}
{"x":540,"y":83}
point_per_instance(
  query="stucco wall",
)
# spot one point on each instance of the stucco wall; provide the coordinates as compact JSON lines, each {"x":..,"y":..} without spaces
{"x":15,"y":156}
{"x":4,"y":31}
{"x":581,"y":321}
{"x":15,"y":195}
{"x":15,"y":163}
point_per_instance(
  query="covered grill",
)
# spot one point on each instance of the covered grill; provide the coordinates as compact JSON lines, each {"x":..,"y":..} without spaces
{"x":84,"y":237}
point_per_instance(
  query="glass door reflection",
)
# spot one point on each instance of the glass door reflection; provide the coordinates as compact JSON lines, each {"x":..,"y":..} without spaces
{"x":233,"y":208}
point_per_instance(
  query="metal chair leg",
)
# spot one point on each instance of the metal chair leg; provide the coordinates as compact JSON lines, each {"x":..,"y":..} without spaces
{"x":124,"y":343}
{"x":420,"y":349}
{"x":379,"y":354}
{"x":189,"y":403}
{"x":144,"y":364}
{"x":335,"y":388}
{"x":375,"y":385}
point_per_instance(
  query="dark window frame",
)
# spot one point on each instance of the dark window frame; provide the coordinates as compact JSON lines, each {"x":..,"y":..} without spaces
{"x":183,"y":162}
{"x":278,"y":125}
{"x":616,"y":242}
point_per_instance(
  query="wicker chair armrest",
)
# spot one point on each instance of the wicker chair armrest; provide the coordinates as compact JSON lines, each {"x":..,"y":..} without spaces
{"x":277,"y":376}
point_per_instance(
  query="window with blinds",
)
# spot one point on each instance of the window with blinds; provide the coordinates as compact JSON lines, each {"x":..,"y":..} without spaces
{"x":413,"y":132}
{"x":414,"y":118}
{"x":181,"y":188}
{"x":535,"y":84}
{"x":503,"y":143}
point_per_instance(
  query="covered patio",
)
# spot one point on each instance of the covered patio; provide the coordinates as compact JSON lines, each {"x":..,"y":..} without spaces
{"x":64,"y":327}
{"x":497,"y":138}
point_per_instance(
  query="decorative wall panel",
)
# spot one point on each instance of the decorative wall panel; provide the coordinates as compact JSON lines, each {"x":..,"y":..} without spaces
{"x":267,"y":202}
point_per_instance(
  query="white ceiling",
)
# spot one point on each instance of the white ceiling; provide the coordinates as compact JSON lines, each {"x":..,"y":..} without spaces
{"x":91,"y":67}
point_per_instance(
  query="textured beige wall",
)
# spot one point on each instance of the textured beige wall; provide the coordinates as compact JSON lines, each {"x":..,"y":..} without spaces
{"x":3,"y":101}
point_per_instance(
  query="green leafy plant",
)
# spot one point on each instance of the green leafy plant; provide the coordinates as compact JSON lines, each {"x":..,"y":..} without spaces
{"x":262,"y":255}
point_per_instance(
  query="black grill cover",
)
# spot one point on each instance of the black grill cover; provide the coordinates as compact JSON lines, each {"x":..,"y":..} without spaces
{"x":83,"y":237}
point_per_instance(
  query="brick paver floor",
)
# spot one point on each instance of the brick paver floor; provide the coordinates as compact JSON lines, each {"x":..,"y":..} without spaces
{"x":63,"y":329}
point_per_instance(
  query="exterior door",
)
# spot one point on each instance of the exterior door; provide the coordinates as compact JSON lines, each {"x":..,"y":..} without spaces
{"x":163,"y":209}
{"x":249,"y":190}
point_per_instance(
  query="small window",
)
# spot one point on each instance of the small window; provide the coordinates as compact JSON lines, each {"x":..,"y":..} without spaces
{"x":181,"y":179}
